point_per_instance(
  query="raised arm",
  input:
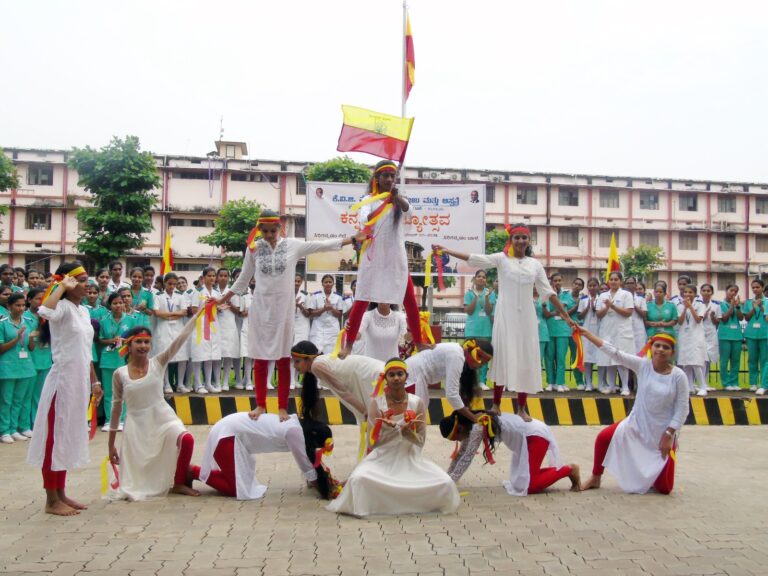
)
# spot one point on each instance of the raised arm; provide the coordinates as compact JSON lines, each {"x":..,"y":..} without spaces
{"x":165,"y":356}
{"x":631,"y":361}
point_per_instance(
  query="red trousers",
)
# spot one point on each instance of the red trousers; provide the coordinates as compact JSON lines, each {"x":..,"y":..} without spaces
{"x":260,"y":369}
{"x":186,"y":447}
{"x":411,"y":312}
{"x":222,"y":480}
{"x":542,"y":478}
{"x":664,"y":483}
{"x":52,"y":479}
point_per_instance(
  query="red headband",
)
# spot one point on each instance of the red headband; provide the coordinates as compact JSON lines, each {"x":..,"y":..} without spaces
{"x":390,"y":167}
{"x":519,"y":230}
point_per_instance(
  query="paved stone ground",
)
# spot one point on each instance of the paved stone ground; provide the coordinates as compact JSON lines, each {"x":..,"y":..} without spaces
{"x":715,"y":522}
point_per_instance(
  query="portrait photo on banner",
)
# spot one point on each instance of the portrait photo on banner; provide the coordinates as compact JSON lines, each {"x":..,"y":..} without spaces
{"x":452,"y":215}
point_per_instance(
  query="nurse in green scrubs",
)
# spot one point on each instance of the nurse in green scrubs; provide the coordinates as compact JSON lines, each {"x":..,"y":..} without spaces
{"x":559,"y":335}
{"x":40,"y":351}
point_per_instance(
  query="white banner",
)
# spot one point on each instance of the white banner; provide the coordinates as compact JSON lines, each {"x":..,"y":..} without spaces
{"x":452,"y":215}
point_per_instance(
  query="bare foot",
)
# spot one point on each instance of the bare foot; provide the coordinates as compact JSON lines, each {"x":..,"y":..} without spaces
{"x":283,"y":414}
{"x":72,"y":503}
{"x":575,"y":477}
{"x":525,"y":416}
{"x":58,"y":508}
{"x":258,"y":411}
{"x":592,"y":484}
{"x":420,"y":346}
{"x":184,"y":490}
{"x":344,"y":352}
{"x":496,"y":409}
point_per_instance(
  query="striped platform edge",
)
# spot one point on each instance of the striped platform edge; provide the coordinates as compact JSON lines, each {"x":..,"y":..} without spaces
{"x":726,"y":411}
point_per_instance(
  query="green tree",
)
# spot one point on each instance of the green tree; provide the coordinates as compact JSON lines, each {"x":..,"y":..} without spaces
{"x":235,"y":222}
{"x":640,"y":261}
{"x":8,"y":177}
{"x":495,"y":240}
{"x":120,"y":179}
{"x":340,"y":169}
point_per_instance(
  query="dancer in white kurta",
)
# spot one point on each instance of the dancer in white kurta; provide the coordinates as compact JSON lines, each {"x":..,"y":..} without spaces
{"x":529,"y":443}
{"x":517,"y":360}
{"x":395,"y":478}
{"x":272,"y":260}
{"x":155,"y":448}
{"x":60,"y":441}
{"x":614,"y":309}
{"x":639,"y":450}
{"x":170,"y":312}
{"x":692,"y":343}
{"x":226,"y":316}
{"x":383,"y":275}
{"x":381,"y":331}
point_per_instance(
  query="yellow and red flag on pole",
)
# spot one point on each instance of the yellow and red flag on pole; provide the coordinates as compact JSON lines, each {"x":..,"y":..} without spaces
{"x":167,"y":265}
{"x":410,"y":58}
{"x":613,"y":259}
{"x":375,"y":133}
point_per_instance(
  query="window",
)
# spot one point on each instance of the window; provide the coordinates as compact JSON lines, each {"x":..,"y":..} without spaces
{"x":725,"y":279}
{"x":193,"y":222}
{"x":689,"y":202}
{"x":301,"y":185}
{"x":490,"y":192}
{"x":761,"y":205}
{"x":649,"y":200}
{"x":761,"y":243}
{"x":568,"y":237}
{"x":198,"y":175}
{"x":649,"y":237}
{"x":609,"y":199}
{"x":692,"y":275}
{"x":40,"y":175}
{"x":189,"y":267}
{"x":528,"y":195}
{"x":230,"y":151}
{"x":605,"y":238}
{"x":38,"y":220}
{"x":569,"y":197}
{"x":726,"y":242}
{"x":726,"y":204}
{"x":299,"y":227}
{"x":688,"y":241}
{"x":39,"y":262}
{"x":534,"y":235}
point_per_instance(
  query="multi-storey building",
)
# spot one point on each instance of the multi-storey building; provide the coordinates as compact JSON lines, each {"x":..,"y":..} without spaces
{"x":713,"y":231}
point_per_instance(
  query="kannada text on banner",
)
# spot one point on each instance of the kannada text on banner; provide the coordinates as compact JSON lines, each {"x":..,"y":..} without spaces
{"x":452,"y":215}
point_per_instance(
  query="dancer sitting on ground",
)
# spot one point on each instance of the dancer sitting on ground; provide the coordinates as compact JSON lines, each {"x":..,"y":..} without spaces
{"x":229,"y":460}
{"x":529,"y":443}
{"x":639,"y":450}
{"x":394,"y":478}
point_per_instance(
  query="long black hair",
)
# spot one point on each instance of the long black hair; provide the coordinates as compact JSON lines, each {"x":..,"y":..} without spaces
{"x":468,"y":385}
{"x":448,"y":423}
{"x":315,"y":431}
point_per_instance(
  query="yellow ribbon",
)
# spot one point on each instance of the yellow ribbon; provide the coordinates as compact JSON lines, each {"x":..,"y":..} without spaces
{"x":369,"y":200}
{"x":363,"y":432}
{"x":428,"y":270}
{"x":339,"y":341}
{"x":485,"y":420}
{"x":424,"y":326}
{"x":104,"y":477}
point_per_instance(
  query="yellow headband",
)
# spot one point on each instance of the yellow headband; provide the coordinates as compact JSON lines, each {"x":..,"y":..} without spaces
{"x":475,"y":352}
{"x":268,"y":220}
{"x":392,"y":364}
{"x":76,"y":272}
{"x":390,"y":166}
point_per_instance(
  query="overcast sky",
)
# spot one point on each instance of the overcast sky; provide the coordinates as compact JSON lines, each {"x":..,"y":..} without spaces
{"x":652,"y":88}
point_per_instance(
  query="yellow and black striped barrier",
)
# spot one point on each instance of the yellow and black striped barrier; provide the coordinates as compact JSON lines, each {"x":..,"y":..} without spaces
{"x":712,"y":410}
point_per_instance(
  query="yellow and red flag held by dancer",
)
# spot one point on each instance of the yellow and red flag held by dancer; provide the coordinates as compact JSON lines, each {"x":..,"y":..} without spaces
{"x":613,"y":259}
{"x":167,"y":265}
{"x":410,"y":58}
{"x":375,"y":133}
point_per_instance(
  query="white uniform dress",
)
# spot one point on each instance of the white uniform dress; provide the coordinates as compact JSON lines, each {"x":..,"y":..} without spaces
{"x":591,"y":323}
{"x":325,"y":328}
{"x":69,"y":380}
{"x":514,"y":434}
{"x":166,"y":331}
{"x":638,"y":324}
{"x":691,"y":341}
{"x":270,"y":319}
{"x":301,"y":323}
{"x":614,"y":327}
{"x":444,"y":362}
{"x":395,"y":478}
{"x":382,"y":274}
{"x":148,"y":446}
{"x":206,"y":350}
{"x":516,"y":358}
{"x":710,"y":330}
{"x":262,"y":436}
{"x":380,"y":334}
{"x":662,"y":401}
{"x":227,"y":325}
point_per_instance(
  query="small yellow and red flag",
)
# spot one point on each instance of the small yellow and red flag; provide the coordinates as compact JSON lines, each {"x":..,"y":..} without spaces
{"x":613,"y":259}
{"x":375,"y":133}
{"x":167,"y":265}
{"x":410,"y":58}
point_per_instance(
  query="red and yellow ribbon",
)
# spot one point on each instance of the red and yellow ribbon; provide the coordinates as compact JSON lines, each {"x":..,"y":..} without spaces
{"x":511,"y":231}
{"x":57,"y":278}
{"x":127,"y":342}
{"x":376,"y":431}
{"x":660,"y":337}
{"x":578,"y":360}
{"x":487,"y":423}
{"x":205,"y":322}
{"x":438,"y":255}
{"x":426,"y":328}
{"x":93,"y":416}
{"x":105,"y":484}
{"x":255,"y":234}
{"x":326,"y":450}
{"x":339,"y":343}
{"x":472,"y":350}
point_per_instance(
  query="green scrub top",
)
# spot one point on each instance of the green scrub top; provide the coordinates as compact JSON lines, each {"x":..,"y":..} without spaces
{"x":757,"y":326}
{"x":543,"y":329}
{"x":110,"y":328}
{"x":730,"y":329}
{"x":41,"y":355}
{"x":16,"y":362}
{"x":663,"y":313}
{"x":559,"y":328}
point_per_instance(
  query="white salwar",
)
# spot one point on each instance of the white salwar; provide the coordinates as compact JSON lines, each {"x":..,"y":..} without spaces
{"x":516,"y":358}
{"x":166,"y":331}
{"x":382,"y":274}
{"x":149,"y":447}
{"x":444,"y":362}
{"x":270,"y":318}
{"x":263,"y":436}
{"x":662,"y":402}
{"x":380,"y":334}
{"x":395,"y":478}
{"x":325,"y":328}
{"x":614,"y":327}
{"x":69,"y":381}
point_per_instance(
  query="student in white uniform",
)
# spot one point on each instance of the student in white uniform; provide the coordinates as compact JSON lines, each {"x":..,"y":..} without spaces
{"x":712,"y":315}
{"x":205,"y":352}
{"x":614,"y":309}
{"x":692,"y":344}
{"x":230,"y":335}
{"x":325,"y":307}
{"x":245,"y":305}
{"x":588,"y":314}
{"x":301,"y":321}
{"x":170,"y":312}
